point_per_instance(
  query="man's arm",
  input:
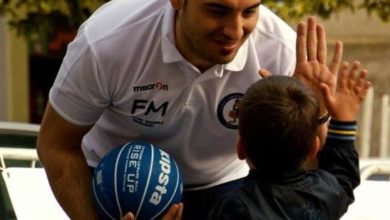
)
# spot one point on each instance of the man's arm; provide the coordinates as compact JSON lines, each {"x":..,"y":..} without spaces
{"x":59,"y":149}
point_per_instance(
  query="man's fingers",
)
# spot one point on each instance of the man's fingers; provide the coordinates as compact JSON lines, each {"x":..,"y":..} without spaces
{"x":264,"y":73}
{"x":301,"y":43}
{"x":322,"y":47}
{"x":326,"y":93}
{"x":179,"y":211}
{"x":312,"y":38}
{"x":337,"y":56}
{"x":174,"y":212}
{"x":128,"y":216}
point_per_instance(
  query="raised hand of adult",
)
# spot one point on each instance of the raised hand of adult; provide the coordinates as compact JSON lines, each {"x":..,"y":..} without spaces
{"x":311,"y":52}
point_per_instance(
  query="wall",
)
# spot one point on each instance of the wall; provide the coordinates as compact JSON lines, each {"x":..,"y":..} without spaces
{"x":14,"y":90}
{"x":3,"y":84}
{"x":366,"y":39}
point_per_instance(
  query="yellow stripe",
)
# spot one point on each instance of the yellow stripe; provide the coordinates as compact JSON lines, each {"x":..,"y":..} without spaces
{"x":344,"y":132}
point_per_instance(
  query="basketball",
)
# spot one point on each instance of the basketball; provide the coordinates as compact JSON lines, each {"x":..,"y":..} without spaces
{"x":139,"y":178}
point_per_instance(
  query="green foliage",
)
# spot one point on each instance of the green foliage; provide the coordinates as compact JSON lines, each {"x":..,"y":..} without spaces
{"x":380,"y":7}
{"x":44,"y":15}
{"x":40,"y":20}
{"x":296,"y":9}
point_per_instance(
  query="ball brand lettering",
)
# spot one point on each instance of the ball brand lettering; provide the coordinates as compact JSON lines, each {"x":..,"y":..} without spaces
{"x":149,"y":106}
{"x":133,"y":162}
{"x":163,"y":179}
{"x":130,"y":184}
{"x":134,"y":155}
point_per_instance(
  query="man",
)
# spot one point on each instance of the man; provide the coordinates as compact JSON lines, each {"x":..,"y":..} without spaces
{"x":166,"y":72}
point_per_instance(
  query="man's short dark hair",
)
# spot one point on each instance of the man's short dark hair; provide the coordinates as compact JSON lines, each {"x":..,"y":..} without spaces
{"x":278,"y":123}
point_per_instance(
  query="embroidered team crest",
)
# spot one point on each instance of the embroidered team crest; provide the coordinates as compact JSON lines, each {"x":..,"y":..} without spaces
{"x":228,"y":109}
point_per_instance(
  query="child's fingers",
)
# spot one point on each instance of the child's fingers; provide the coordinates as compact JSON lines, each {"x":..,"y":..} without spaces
{"x":362,"y":78}
{"x":352,"y":74}
{"x":367,"y":87}
{"x":344,"y":76}
{"x":364,"y":83}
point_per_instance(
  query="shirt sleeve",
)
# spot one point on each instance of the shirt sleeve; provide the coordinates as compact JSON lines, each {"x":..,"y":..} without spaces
{"x":339,"y":156}
{"x":79,"y":93}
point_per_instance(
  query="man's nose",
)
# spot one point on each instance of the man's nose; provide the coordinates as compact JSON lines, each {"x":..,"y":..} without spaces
{"x":234,"y":28}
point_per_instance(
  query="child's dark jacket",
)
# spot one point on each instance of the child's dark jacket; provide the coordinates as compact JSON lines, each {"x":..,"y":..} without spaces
{"x":324,"y":193}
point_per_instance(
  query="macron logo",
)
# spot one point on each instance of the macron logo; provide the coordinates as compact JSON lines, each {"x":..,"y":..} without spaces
{"x":154,"y":86}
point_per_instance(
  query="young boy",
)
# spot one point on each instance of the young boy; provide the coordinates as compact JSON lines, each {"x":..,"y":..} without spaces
{"x":280,"y":132}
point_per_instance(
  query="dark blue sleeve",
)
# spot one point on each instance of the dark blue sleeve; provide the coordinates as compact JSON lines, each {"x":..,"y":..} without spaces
{"x":229,"y":208}
{"x":339,"y":156}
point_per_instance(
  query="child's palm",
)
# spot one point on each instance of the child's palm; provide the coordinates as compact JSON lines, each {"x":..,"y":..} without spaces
{"x":351,"y":90}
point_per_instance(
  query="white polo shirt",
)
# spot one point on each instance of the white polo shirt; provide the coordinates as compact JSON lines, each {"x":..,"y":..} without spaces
{"x":124,"y":74}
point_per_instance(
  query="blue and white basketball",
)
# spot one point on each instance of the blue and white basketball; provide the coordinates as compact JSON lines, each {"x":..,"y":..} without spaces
{"x":139,"y":178}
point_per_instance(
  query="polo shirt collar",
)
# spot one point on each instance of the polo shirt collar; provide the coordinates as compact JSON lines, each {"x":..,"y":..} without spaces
{"x":170,"y":53}
{"x":239,"y":61}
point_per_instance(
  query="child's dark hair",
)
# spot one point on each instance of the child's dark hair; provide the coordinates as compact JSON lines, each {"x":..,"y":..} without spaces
{"x":278,"y":123}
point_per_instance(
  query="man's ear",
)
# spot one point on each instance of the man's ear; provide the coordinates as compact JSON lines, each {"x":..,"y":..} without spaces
{"x":314,"y":149}
{"x":241,"y":152}
{"x":177,"y":4}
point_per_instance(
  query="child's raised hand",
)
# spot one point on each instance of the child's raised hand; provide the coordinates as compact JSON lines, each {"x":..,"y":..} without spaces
{"x":352,"y":87}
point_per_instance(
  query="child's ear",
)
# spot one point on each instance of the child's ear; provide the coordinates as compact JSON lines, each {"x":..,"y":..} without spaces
{"x":311,"y":162}
{"x":240,"y":149}
{"x":315,"y":148}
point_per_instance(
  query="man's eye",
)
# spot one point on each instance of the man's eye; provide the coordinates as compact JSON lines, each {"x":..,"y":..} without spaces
{"x":217,"y":12}
{"x":249,"y":13}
